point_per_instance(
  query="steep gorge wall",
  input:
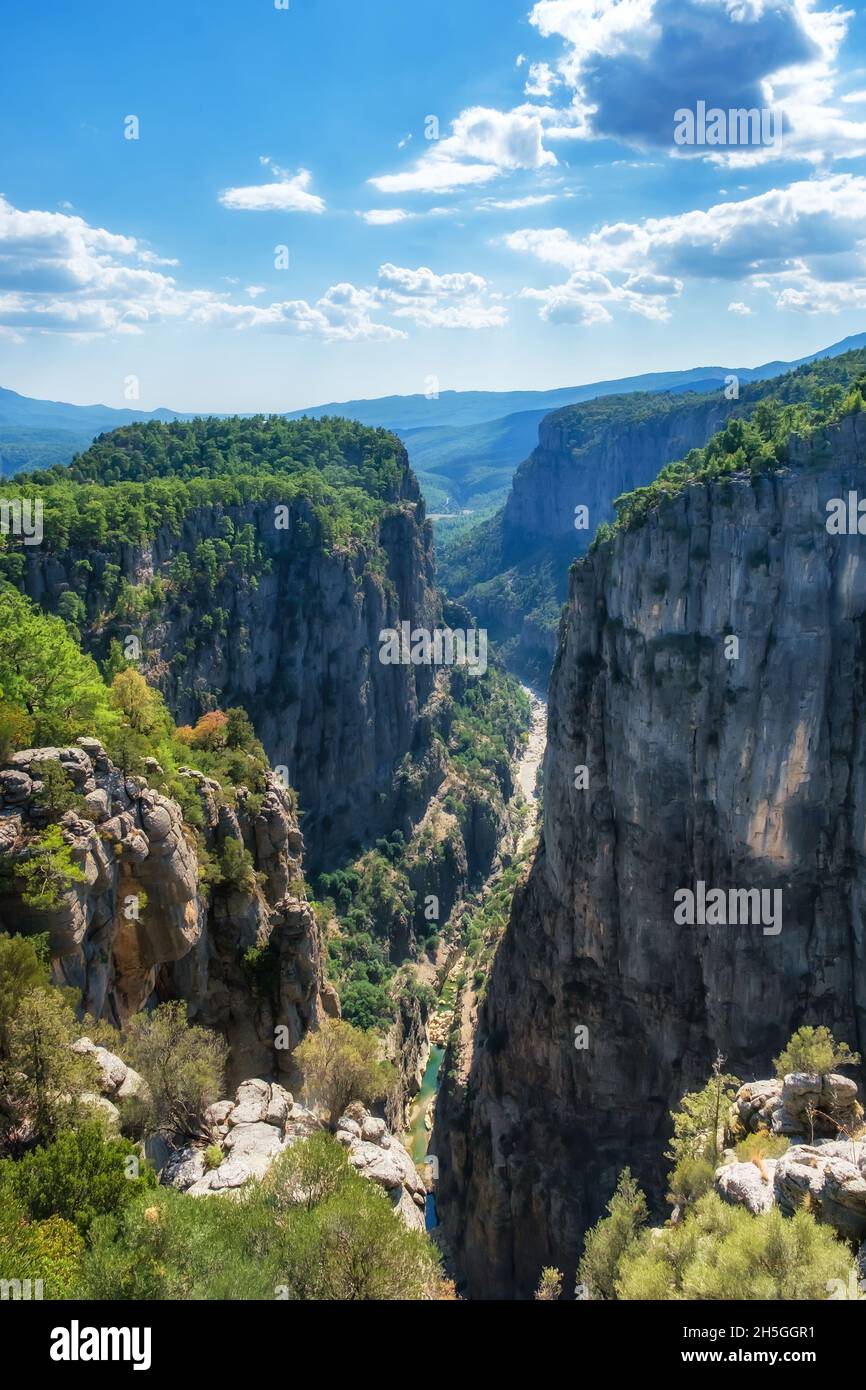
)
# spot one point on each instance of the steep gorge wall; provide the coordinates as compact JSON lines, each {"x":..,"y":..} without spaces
{"x":747,"y":773}
{"x":572,"y":467}
{"x":296,"y":644}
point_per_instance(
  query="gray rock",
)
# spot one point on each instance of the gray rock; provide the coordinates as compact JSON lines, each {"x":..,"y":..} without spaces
{"x":742,"y":1184}
{"x":831,"y":1178}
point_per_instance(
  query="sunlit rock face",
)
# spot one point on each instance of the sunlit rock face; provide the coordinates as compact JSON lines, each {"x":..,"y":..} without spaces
{"x":138,"y":928}
{"x":742,"y":766}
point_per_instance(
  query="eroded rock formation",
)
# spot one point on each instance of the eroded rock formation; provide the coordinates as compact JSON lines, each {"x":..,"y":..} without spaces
{"x":139,"y":928}
{"x":741,"y":772}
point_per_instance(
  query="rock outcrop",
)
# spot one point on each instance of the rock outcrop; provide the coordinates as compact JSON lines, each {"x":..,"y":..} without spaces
{"x":263,"y":1120}
{"x":743,"y":771}
{"x":138,"y":928}
{"x":296,"y":644}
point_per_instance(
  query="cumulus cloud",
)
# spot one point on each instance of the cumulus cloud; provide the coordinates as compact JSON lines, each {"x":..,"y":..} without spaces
{"x":483,"y":144}
{"x":632,"y":64}
{"x":285,"y":193}
{"x":738,"y":307}
{"x":58,"y":274}
{"x":541,"y":80}
{"x":455,"y":300}
{"x":805,"y":244}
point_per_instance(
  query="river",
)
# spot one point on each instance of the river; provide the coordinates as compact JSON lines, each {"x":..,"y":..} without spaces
{"x":525,"y":775}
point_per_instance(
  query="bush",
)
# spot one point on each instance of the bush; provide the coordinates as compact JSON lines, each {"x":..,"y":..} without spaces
{"x":814,"y":1050}
{"x":756,"y":1147}
{"x":80,"y":1176}
{"x":340,"y":1064}
{"x":213,"y":1156}
{"x":690,"y":1179}
{"x":612,"y":1237}
{"x":723,"y":1252}
{"x":182,"y":1065}
{"x":341,"y":1241}
{"x":42,"y":1077}
{"x":21,"y":970}
{"x":49,"y":1250}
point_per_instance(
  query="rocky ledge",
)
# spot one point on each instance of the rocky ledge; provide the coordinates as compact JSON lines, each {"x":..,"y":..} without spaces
{"x":263,"y":1120}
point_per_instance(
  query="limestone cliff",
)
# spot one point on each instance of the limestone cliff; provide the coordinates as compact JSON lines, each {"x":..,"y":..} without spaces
{"x":292,"y":637}
{"x":139,"y":927}
{"x":743,"y":771}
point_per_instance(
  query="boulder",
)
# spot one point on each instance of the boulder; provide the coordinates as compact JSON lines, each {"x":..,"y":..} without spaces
{"x":830,"y":1178}
{"x":743,"y":1184}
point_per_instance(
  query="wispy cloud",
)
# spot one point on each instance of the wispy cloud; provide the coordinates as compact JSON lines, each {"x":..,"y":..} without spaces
{"x":286,"y":193}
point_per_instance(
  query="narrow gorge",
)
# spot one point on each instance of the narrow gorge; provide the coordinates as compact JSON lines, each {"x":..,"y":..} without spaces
{"x":675,"y":756}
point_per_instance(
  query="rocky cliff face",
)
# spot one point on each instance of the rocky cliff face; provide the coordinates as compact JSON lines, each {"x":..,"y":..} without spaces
{"x":296,"y":643}
{"x":741,"y":769}
{"x":139,"y":928}
{"x":580,"y":462}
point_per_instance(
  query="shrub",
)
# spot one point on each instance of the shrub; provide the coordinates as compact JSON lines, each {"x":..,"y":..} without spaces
{"x":21,"y":970}
{"x":183,"y":1066}
{"x":49,"y":1250}
{"x":612,"y":1237}
{"x":43,"y":1078}
{"x":549,"y":1286}
{"x":814,"y":1050}
{"x":699,"y":1120}
{"x":723,"y":1252}
{"x":213,"y":1156}
{"x":340,"y":1064}
{"x":82,"y":1175}
{"x":341,"y":1242}
{"x":47,"y":871}
{"x":690,"y":1179}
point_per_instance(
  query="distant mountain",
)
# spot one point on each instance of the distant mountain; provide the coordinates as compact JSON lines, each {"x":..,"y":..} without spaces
{"x":37,"y":434}
{"x":464,"y":445}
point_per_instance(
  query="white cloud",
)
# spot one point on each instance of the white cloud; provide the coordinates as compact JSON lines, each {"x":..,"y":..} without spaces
{"x":456,"y":300}
{"x":483,"y":144}
{"x":541,"y":80}
{"x":287,"y":193}
{"x":804,"y":243}
{"x":60,"y":275}
{"x":533,"y":200}
{"x":738,"y":307}
{"x":384,"y":217}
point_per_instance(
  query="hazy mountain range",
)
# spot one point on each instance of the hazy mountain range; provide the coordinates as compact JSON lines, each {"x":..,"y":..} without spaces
{"x":464,"y":445}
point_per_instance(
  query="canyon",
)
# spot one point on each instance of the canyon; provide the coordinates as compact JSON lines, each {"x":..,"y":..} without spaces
{"x":745,"y":772}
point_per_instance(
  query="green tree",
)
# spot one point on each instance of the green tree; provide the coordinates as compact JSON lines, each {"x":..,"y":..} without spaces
{"x":814,"y":1050}
{"x":47,"y":871}
{"x":340,"y":1064}
{"x":236,"y":866}
{"x":612,"y":1237}
{"x":44,"y":1078}
{"x":57,"y":794}
{"x":44,"y":673}
{"x":82,"y":1175}
{"x":22,"y":969}
{"x":699,"y":1121}
{"x":183,"y":1066}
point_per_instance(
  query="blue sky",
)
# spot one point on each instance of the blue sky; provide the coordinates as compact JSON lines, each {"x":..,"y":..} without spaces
{"x":554,"y":233}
